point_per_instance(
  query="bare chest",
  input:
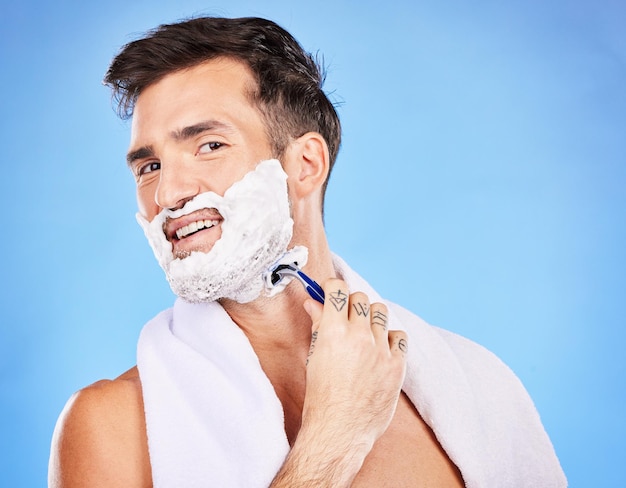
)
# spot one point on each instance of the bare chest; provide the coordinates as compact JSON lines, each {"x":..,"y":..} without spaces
{"x":408,"y":454}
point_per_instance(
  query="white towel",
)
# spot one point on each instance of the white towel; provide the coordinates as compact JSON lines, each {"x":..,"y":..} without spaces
{"x":213,"y":418}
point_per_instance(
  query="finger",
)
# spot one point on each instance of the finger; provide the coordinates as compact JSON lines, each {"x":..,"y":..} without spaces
{"x":359,"y":311}
{"x":314,"y":309}
{"x":398,"y":342}
{"x":379,"y":320}
{"x":336,"y":300}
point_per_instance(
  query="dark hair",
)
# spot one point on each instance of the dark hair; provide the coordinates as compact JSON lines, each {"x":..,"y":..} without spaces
{"x":289,"y":91}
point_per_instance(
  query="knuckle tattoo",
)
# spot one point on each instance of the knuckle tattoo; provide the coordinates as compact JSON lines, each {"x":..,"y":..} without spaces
{"x":361,"y":309}
{"x":379,"y":318}
{"x":338,"y":299}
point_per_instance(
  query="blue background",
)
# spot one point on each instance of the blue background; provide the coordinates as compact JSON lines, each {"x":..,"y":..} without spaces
{"x":481,"y":183}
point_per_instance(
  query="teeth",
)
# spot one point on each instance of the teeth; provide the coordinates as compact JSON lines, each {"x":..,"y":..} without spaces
{"x":194,"y":227}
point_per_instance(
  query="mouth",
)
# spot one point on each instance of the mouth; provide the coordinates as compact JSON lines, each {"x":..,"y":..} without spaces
{"x":194,"y":227}
{"x":182,"y":228}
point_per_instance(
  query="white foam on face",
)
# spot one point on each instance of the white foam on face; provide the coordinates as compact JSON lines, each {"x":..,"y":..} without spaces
{"x":256,"y":230}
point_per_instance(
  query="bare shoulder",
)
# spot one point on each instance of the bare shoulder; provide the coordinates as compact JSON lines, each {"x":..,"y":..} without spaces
{"x":100,"y":438}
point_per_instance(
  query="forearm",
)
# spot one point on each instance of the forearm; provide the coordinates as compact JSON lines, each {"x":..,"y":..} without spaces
{"x":320,"y":460}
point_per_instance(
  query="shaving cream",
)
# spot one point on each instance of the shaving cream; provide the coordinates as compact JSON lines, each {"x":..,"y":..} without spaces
{"x":256,"y":230}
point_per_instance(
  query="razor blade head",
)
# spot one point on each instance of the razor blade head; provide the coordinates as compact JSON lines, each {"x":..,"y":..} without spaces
{"x":283,"y":270}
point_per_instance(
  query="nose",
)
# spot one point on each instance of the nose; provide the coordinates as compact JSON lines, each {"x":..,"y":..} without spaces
{"x":176,"y":187}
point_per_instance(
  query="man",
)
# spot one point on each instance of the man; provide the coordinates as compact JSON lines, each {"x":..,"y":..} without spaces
{"x":248,"y":382}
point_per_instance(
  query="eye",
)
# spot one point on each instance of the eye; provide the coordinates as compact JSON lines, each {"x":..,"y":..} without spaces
{"x":149,"y":168}
{"x":209,"y":147}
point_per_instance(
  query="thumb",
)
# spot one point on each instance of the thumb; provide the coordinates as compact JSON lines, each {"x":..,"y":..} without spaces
{"x":314,"y":309}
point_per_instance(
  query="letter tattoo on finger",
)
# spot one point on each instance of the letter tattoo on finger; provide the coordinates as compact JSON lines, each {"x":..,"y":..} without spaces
{"x":312,"y":346}
{"x":379,"y":318}
{"x":338,"y":299}
{"x":362,"y":309}
{"x":403,"y":345}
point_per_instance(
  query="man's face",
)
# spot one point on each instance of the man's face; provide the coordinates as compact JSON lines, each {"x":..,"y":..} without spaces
{"x":214,"y":208}
{"x":194,"y":131}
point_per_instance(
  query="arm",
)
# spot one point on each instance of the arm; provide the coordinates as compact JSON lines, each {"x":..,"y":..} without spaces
{"x":354,"y":376}
{"x":100,"y":438}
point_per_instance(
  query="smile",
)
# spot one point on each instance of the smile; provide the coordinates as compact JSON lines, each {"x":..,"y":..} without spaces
{"x":194,"y":227}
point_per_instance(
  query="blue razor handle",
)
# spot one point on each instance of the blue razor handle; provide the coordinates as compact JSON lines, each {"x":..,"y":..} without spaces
{"x":312,"y":288}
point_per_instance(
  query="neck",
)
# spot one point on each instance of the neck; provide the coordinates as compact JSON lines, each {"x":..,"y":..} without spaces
{"x":280,"y":322}
{"x":279,"y":329}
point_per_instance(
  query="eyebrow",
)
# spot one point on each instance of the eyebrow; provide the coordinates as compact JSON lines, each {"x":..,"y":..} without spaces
{"x":180,"y":135}
{"x":193,"y":130}
{"x":141,"y":153}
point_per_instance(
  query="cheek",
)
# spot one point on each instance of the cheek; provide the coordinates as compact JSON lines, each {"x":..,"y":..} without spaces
{"x":146,"y":202}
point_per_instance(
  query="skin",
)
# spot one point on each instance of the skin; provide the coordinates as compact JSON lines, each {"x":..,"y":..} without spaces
{"x":336,"y":368}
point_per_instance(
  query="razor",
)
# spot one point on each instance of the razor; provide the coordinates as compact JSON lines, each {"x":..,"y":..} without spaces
{"x":292,"y":270}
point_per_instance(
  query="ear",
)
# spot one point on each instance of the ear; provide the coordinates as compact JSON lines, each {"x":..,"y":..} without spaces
{"x":307,"y":163}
